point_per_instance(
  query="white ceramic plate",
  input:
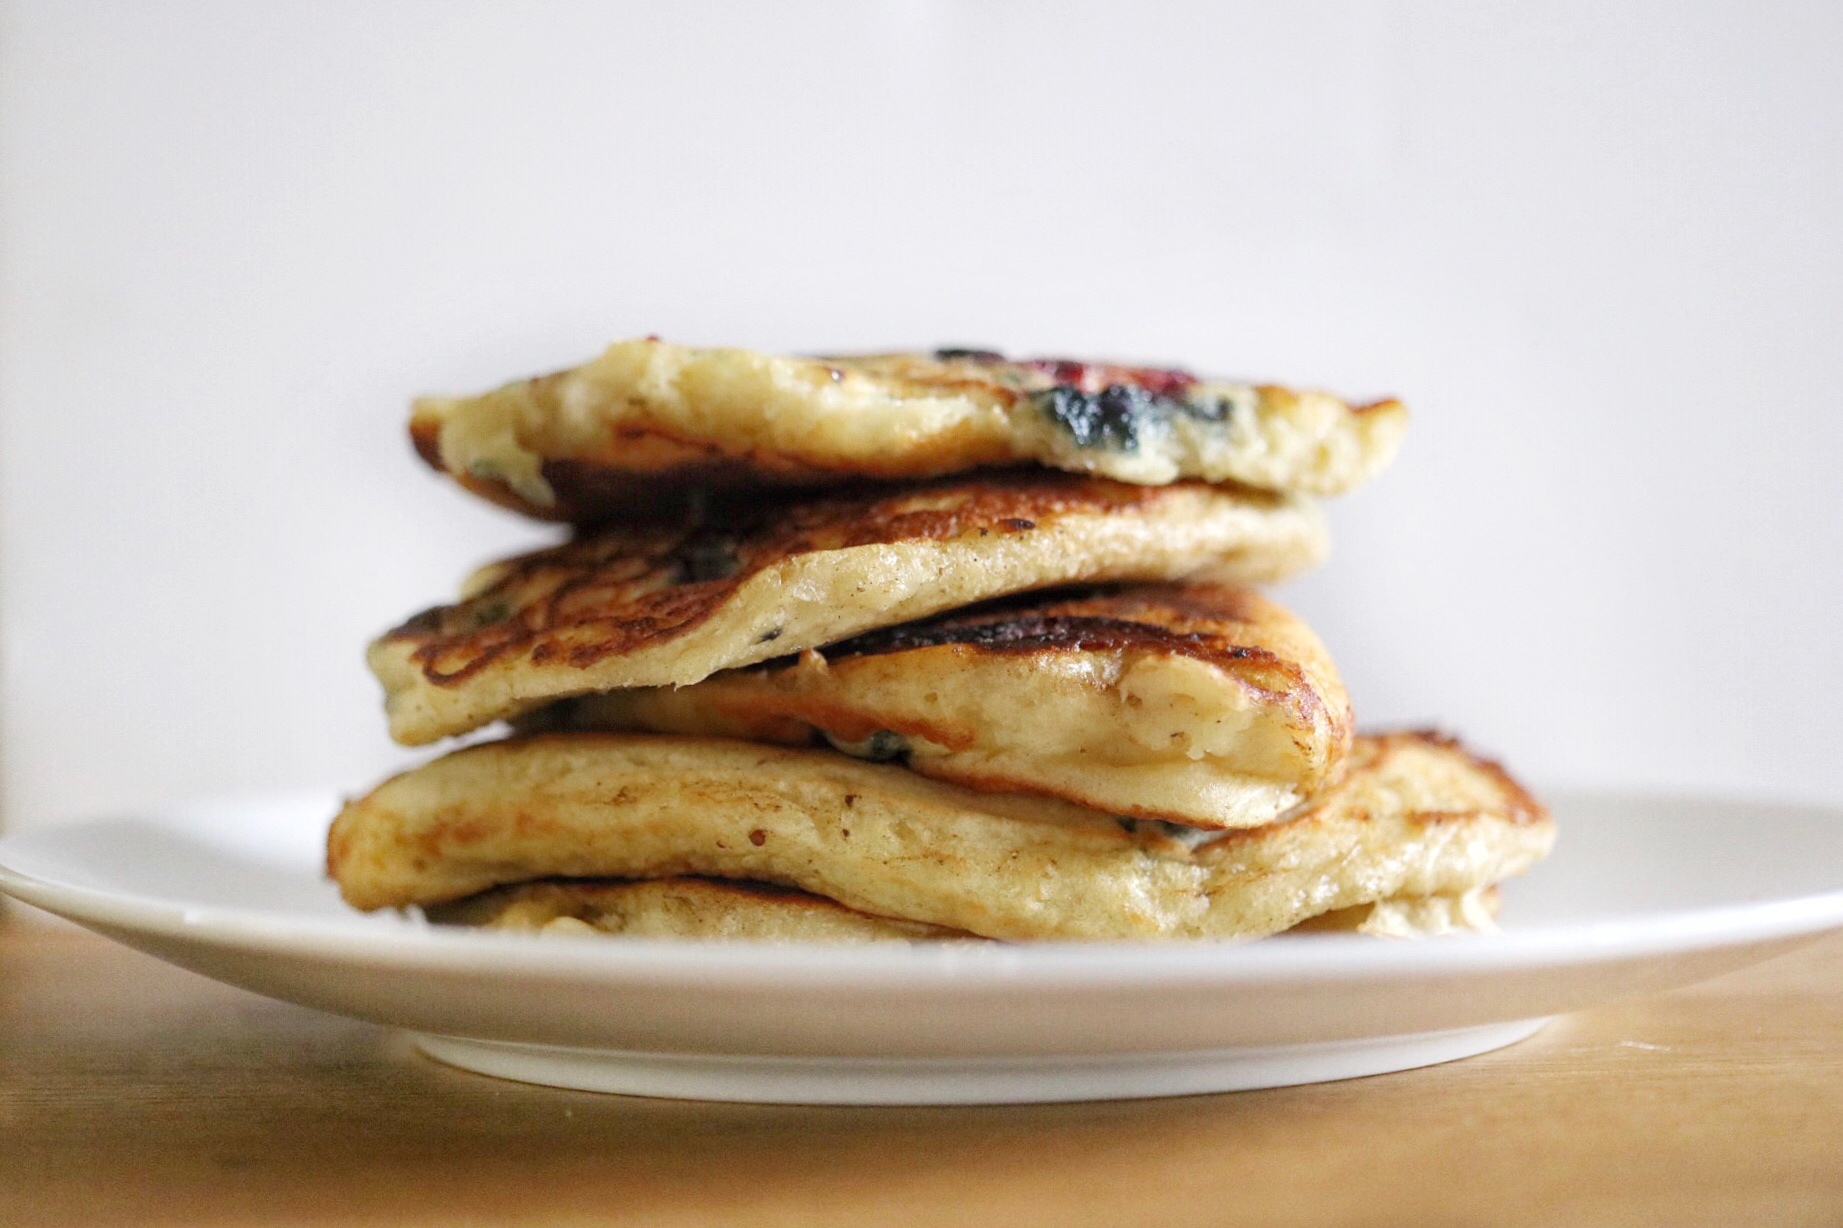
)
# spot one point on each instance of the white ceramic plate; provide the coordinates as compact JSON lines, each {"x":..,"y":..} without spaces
{"x":1641,"y":895}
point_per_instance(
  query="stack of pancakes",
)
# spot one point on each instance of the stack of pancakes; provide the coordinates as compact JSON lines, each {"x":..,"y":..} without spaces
{"x":909,"y":647}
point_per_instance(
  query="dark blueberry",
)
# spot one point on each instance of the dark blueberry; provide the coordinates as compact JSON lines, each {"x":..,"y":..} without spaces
{"x":1160,"y":827}
{"x":885,"y":745}
{"x":1110,"y":418}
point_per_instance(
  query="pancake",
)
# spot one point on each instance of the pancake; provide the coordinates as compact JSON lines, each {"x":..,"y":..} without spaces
{"x":1412,"y":916}
{"x":678,"y":908}
{"x":647,"y":422}
{"x":659,"y":604}
{"x":1193,"y":703}
{"x":708,"y":908}
{"x":1413,"y":815}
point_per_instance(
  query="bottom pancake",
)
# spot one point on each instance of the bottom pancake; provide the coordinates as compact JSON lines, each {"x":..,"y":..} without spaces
{"x":707,"y":908}
{"x":1412,"y":916}
{"x":683,"y":907}
{"x":1413,"y":816}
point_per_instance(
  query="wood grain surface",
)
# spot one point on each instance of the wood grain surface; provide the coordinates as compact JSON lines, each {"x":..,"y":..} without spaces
{"x":135,"y":1093}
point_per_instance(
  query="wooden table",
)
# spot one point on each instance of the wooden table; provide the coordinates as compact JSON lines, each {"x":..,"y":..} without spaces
{"x":131,"y":1092}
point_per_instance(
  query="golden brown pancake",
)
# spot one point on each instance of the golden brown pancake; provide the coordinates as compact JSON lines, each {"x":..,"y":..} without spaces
{"x":712,"y":908}
{"x":1414,"y":815}
{"x":1473,"y":911}
{"x":1199,"y":704}
{"x":662,"y":604}
{"x":637,"y":428}
{"x":684,"y":907}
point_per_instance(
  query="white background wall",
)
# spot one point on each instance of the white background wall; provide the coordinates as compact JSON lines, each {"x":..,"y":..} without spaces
{"x":1597,"y":247}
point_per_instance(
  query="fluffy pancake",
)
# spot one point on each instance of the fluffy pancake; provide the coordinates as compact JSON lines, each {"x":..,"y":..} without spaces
{"x":1199,"y":704}
{"x":669,"y":603}
{"x":1412,"y":916}
{"x":733,"y":909}
{"x":648,"y":421}
{"x":1414,"y":815}
{"x":678,"y":908}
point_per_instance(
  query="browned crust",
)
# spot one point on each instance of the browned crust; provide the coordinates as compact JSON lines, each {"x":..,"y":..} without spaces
{"x":426,"y":438}
{"x":1193,"y":620}
{"x":661,"y":479}
{"x":646,"y":445}
{"x":647,"y":471}
{"x":641,"y":583}
{"x":753,"y":887}
{"x":1205,"y":622}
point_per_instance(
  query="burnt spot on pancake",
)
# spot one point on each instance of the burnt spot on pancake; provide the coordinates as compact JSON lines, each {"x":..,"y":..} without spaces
{"x":609,"y":592}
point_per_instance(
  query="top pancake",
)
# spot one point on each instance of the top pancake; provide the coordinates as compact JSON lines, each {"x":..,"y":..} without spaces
{"x":647,"y":422}
{"x":671,"y":602}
